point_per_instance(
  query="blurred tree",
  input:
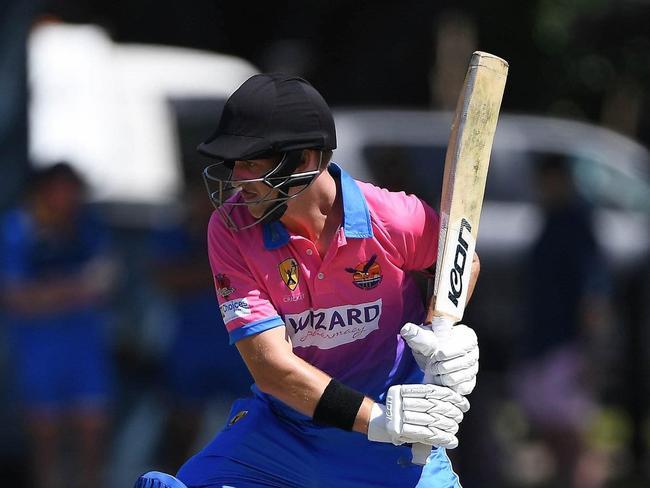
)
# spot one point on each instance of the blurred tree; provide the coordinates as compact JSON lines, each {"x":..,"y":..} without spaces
{"x":597,"y":51}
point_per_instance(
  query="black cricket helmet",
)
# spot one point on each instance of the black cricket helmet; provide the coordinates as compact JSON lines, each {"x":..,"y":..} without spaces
{"x":268,"y":116}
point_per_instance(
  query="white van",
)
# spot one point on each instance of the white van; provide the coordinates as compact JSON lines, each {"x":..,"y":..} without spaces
{"x":107,"y":108}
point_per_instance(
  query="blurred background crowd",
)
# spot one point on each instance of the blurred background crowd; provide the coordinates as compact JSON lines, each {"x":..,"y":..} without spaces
{"x":113,"y":356}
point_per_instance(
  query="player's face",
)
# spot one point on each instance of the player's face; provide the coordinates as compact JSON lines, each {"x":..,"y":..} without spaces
{"x":254,"y":193}
{"x":63,"y":198}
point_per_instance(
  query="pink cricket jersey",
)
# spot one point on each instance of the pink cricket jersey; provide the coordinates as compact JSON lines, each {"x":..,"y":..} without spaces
{"x":343,"y":312}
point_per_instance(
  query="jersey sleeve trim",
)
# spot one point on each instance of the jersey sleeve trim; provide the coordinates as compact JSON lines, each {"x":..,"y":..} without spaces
{"x":255,"y":328}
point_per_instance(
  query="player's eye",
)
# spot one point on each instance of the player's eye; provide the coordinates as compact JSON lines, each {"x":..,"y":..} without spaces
{"x":246,"y":165}
{"x":251,"y":165}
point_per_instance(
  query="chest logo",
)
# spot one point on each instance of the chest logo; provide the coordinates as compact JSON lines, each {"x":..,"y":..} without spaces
{"x":366,"y":275}
{"x":223,"y":285}
{"x":289,"y":273}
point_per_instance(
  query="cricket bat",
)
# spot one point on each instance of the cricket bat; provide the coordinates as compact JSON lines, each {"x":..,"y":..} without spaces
{"x":463,"y":187}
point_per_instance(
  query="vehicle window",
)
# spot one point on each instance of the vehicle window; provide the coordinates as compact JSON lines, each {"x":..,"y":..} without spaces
{"x":419,"y":169}
{"x":597,"y":183}
{"x":512,"y":179}
{"x":606,"y":186}
{"x":413,"y":169}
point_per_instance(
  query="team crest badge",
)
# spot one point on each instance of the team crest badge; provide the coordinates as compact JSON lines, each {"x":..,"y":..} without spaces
{"x":240,"y":415}
{"x":366,"y":275}
{"x":223,"y":285}
{"x":289,"y":273}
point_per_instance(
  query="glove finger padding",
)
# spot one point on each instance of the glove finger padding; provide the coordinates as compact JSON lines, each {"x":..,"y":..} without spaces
{"x":460,"y":341}
{"x":430,"y":391}
{"x":455,"y":378}
{"x":427,"y":414}
{"x":420,"y":338}
{"x":459,"y":363}
{"x":466,"y":387}
{"x":430,"y":420}
{"x":433,"y":406}
{"x":435,"y":392}
{"x":417,"y":404}
{"x":430,"y":436}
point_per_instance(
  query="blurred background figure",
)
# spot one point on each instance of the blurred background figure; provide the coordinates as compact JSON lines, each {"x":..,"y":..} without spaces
{"x":125,"y":100}
{"x":57,"y":274}
{"x":568,"y":312}
{"x":199,"y":370}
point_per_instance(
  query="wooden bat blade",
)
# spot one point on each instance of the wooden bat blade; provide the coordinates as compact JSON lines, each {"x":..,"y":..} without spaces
{"x":466,"y":166}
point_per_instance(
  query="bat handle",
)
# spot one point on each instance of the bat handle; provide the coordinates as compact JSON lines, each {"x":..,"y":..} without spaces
{"x":420,"y":454}
{"x":441,"y":325}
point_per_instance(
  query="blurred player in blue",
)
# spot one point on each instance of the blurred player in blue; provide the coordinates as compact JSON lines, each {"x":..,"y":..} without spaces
{"x":56,"y":273}
{"x":557,"y":383}
{"x":200,"y":367}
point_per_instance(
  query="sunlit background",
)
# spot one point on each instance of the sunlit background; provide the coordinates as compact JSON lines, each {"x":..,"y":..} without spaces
{"x":124,"y":91}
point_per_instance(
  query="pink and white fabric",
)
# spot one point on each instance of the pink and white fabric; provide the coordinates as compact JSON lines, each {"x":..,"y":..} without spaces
{"x":342,"y":312}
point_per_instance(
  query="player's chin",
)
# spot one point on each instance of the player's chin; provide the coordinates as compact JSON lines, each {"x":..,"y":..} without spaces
{"x":256,"y":209}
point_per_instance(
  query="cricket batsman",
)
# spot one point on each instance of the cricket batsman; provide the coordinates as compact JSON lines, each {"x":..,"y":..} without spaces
{"x":313,"y":275}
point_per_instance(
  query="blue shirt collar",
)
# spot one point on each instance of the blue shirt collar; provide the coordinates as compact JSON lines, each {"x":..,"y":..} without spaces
{"x":356,"y":216}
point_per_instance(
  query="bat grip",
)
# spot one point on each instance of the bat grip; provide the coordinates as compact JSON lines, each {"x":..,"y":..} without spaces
{"x":441,"y":325}
{"x":420,"y":454}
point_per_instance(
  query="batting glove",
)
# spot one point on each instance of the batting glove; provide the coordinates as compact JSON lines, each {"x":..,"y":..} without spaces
{"x":426,"y":414}
{"x":448,"y":358}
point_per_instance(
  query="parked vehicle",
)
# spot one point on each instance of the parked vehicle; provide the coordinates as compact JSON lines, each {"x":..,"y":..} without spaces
{"x":405,"y":150}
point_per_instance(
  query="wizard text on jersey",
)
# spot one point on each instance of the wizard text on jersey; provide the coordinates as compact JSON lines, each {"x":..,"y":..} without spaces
{"x":331,"y":327}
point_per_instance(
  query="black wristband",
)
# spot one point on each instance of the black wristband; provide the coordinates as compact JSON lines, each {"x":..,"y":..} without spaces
{"x":338,"y":406}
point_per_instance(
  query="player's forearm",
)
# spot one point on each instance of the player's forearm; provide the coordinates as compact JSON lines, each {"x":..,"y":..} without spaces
{"x":279,"y":372}
{"x":363,"y":416}
{"x":302,"y":389}
{"x":290,"y":379}
{"x":296,"y":383}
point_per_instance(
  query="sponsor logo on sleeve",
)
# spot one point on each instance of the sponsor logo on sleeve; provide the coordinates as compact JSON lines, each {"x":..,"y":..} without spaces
{"x":366,"y":275}
{"x":289,"y":273}
{"x":331,"y":327}
{"x":235,"y":309}
{"x":223,"y":285}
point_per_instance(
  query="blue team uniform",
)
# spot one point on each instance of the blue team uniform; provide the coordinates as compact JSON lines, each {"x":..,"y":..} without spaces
{"x":60,"y":358}
{"x":199,"y":364}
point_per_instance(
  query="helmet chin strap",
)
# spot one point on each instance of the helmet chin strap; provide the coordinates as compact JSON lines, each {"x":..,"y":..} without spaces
{"x":275,"y":214}
{"x":292,"y":161}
